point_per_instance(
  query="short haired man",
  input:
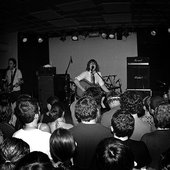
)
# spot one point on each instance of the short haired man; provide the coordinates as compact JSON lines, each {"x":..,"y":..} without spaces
{"x":122,"y":126}
{"x":28,"y":113}
{"x":159,"y":140}
{"x":88,"y":133}
{"x":113,"y":101}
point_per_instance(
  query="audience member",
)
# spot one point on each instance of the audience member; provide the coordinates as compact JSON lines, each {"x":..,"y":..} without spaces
{"x":159,"y":140}
{"x":122,"y":126}
{"x":155,"y":101}
{"x":113,"y":101}
{"x":88,"y":133}
{"x":131,"y":101}
{"x":165,"y":160}
{"x":28,"y":112}
{"x":5,"y":118}
{"x":112,"y":154}
{"x":93,"y":92}
{"x":50,"y":101}
{"x":11,"y":151}
{"x":35,"y":161}
{"x":62,"y":149}
{"x":1,"y":137}
{"x":145,"y":115}
{"x":56,"y":114}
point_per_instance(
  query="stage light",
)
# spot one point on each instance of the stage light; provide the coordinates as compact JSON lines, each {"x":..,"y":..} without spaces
{"x":25,"y":39}
{"x":103,"y":35}
{"x":168,"y":30}
{"x":40,"y":40}
{"x":111,"y":35}
{"x":153,"y":32}
{"x":74,"y":37}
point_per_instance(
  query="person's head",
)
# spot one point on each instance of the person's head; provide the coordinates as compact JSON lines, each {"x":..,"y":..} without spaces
{"x":94,"y":92}
{"x":62,"y":146}
{"x":86,"y":109}
{"x":111,"y":154}
{"x":11,"y":151}
{"x":35,"y":161}
{"x":12,"y":63}
{"x":28,"y":110}
{"x":165,"y":160}
{"x":92,"y":64}
{"x":113,"y":99}
{"x":155,"y":101}
{"x":5,"y":112}
{"x":57,"y":111}
{"x":162,"y":116}
{"x":131,"y":101}
{"x":51,"y":100}
{"x":122,"y":123}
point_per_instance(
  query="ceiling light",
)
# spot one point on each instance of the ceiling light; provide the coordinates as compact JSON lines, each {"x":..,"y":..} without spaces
{"x":168,"y":30}
{"x":153,"y":32}
{"x":103,"y":35}
{"x":24,"y":39}
{"x":111,"y":35}
{"x":74,"y":38}
{"x":40,"y":40}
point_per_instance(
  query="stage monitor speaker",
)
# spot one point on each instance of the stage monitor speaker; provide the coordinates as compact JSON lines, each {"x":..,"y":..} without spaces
{"x":45,"y":89}
{"x":138,"y":73}
{"x":62,"y":86}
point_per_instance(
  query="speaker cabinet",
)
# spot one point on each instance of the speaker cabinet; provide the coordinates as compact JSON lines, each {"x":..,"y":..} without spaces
{"x":62,"y":86}
{"x":45,"y":88}
{"x":138,"y":73}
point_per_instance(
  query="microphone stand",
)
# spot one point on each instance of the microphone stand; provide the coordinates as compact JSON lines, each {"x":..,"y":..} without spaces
{"x":66,"y":80}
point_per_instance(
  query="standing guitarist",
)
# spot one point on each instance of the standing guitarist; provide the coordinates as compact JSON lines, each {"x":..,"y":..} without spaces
{"x":92,"y":76}
{"x":13,"y":80}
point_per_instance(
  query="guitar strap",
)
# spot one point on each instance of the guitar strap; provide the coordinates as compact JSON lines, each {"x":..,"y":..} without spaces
{"x":12,"y":76}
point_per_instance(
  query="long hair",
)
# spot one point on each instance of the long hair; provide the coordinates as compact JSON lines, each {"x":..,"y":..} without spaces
{"x":62,"y":146}
{"x":92,"y":61}
{"x":11,"y":151}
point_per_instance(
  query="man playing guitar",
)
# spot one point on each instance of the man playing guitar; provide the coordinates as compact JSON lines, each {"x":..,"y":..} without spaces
{"x":13,"y":80}
{"x":90,"y":77}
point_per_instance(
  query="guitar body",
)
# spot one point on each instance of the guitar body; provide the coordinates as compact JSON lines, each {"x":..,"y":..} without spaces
{"x":85,"y":84}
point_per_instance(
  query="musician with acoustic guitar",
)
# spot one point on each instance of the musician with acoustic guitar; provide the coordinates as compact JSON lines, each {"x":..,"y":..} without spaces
{"x":13,"y":80}
{"x":90,"y":77}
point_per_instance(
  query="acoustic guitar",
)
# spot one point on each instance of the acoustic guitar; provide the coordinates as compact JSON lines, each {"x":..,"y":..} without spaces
{"x":85,"y":84}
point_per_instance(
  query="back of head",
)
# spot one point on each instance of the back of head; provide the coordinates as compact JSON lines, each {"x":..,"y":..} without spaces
{"x":62,"y":146}
{"x":56,"y":111}
{"x":162,"y":116}
{"x":131,"y":101}
{"x":165,"y":160}
{"x":113,"y":99}
{"x":94,"y":92}
{"x":27,"y":109}
{"x":122,"y":123}
{"x":155,"y":101}
{"x":35,"y":161}
{"x":86,"y":109}
{"x":11,"y":151}
{"x":111,"y":154}
{"x":5,"y":112}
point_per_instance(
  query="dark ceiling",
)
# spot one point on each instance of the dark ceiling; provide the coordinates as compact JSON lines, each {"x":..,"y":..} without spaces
{"x":54,"y":17}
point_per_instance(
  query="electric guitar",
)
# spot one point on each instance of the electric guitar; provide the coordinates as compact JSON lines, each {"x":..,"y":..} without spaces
{"x":9,"y":87}
{"x":85,"y":84}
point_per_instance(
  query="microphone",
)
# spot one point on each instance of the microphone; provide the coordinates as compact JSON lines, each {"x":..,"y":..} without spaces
{"x":92,"y":67}
{"x":71,"y":61}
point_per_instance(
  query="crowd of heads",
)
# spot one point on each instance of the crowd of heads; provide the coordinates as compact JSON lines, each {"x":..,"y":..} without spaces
{"x":111,"y":153}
